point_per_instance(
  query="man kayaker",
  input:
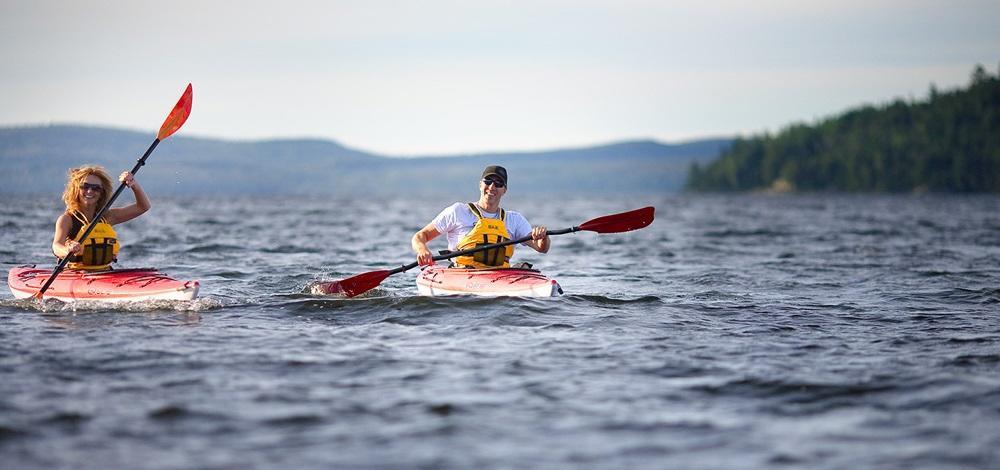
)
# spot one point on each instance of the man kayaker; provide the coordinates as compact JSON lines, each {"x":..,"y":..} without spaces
{"x":484,"y":222}
{"x":88,"y":189}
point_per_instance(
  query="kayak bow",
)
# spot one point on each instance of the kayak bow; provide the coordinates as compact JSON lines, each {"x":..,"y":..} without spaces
{"x":514,"y":282}
{"x":120,"y":285}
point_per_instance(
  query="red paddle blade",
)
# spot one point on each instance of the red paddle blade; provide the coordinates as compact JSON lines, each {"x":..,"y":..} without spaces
{"x":179,"y":114}
{"x":623,"y":222}
{"x":352,"y":286}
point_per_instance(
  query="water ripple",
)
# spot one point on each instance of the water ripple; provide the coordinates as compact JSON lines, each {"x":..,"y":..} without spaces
{"x":815,"y":331}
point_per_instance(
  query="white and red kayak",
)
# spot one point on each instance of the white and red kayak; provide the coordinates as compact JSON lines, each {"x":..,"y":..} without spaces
{"x":119,"y":285}
{"x":514,"y":282}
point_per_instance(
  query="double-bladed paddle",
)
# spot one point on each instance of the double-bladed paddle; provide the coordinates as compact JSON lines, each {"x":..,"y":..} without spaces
{"x":173,"y":122}
{"x":614,"y":223}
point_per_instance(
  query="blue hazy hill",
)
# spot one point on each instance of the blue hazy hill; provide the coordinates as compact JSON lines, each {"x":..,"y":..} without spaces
{"x":35,"y":159}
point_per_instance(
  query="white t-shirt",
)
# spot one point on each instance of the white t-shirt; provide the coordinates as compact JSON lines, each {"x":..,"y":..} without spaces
{"x":456,"y":220}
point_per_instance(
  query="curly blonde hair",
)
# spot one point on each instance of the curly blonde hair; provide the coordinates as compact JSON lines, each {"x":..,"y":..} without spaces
{"x":78,"y":176}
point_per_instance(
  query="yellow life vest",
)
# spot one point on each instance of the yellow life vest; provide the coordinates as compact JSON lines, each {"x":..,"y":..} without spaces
{"x":487,"y":231}
{"x":100,"y":249}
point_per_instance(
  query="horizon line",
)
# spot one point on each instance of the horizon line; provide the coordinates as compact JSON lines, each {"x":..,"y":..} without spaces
{"x":458,"y":154}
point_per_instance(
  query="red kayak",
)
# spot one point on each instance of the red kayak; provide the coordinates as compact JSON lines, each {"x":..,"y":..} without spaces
{"x":439,"y":280}
{"x":119,"y":285}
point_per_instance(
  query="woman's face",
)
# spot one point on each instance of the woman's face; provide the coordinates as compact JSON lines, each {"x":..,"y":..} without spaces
{"x":91,"y":191}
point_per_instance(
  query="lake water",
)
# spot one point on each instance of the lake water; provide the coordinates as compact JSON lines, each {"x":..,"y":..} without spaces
{"x":815,"y":331}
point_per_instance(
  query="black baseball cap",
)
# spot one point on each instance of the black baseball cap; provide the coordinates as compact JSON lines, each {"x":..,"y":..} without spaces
{"x":496,"y":170}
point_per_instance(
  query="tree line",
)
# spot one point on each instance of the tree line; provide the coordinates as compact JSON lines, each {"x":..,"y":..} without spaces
{"x":949,"y":142}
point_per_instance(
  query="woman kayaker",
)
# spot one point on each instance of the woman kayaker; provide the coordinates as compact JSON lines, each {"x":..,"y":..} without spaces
{"x":472,"y":224}
{"x":88,"y":189}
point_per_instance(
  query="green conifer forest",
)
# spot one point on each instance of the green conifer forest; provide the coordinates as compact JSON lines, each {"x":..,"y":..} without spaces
{"x":948,"y":142}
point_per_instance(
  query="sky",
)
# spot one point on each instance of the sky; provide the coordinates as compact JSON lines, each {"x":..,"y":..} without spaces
{"x":405,"y":78}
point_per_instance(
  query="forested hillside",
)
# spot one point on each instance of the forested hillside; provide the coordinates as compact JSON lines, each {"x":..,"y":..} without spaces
{"x":948,"y":142}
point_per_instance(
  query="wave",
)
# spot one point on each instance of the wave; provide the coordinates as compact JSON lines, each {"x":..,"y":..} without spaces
{"x":799,"y":397}
{"x":974,"y":360}
{"x":291,"y":249}
{"x":383,"y":306}
{"x":200,"y":304}
{"x":741,"y":233}
{"x":8,"y":432}
{"x":171,"y":412}
{"x":214,"y":248}
{"x":986,"y":295}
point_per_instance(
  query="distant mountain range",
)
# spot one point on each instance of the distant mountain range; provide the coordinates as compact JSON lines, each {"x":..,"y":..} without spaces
{"x":35,"y":160}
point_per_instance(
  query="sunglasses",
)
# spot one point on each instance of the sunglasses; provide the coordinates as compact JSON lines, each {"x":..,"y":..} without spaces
{"x":93,"y":187}
{"x":495,"y":182}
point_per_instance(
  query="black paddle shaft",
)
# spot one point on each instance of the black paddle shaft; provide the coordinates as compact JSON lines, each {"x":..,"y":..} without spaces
{"x":455,"y":254}
{"x":93,"y":222}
